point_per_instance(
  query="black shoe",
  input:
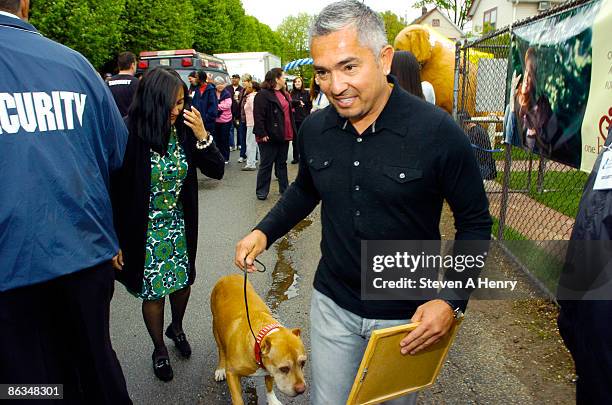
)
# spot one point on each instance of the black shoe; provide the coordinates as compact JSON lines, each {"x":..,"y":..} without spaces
{"x":162,"y":368}
{"x":295,"y":161}
{"x":261,"y":197}
{"x":180,"y":341}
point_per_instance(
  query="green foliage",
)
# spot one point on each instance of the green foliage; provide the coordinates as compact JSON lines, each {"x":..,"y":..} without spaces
{"x":487,"y":28}
{"x":157,"y":24}
{"x":293,"y":33}
{"x":393,"y":25}
{"x":92,"y":27}
{"x":210,"y":26}
{"x":100,"y":29}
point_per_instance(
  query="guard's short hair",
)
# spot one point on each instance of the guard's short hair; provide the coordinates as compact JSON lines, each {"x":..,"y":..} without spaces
{"x":11,"y":6}
{"x":125,"y":60}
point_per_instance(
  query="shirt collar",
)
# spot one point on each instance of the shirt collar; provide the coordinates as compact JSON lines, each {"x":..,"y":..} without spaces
{"x":11,"y":20}
{"x":393,"y":116}
{"x":7,"y":14}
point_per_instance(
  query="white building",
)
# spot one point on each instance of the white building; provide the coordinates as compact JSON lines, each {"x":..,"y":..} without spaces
{"x":501,"y":13}
{"x":440,"y":22}
{"x":254,"y":63}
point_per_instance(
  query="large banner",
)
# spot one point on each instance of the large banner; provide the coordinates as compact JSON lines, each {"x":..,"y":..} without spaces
{"x":560,"y":72}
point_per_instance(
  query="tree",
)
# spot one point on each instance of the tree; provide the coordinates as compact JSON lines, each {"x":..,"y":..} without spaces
{"x":210,"y":26}
{"x":393,"y":25}
{"x":269,"y":40}
{"x":455,"y":10}
{"x":293,"y":32}
{"x":157,"y":24}
{"x":90,"y":27}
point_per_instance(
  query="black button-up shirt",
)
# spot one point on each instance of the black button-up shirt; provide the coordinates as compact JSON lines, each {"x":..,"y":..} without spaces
{"x":388,"y":183}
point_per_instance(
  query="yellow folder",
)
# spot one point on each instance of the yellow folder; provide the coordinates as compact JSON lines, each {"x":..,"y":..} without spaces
{"x":385,"y":373}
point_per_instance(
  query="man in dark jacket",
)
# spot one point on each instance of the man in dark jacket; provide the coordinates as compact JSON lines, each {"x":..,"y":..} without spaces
{"x":585,"y":290}
{"x":62,"y":139}
{"x":123,"y":85}
{"x":205,"y":100}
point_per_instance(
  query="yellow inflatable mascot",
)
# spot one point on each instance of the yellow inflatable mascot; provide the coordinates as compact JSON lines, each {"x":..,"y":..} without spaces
{"x":436,"y":54}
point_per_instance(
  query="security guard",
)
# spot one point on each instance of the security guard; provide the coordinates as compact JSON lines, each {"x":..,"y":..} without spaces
{"x":61,"y":136}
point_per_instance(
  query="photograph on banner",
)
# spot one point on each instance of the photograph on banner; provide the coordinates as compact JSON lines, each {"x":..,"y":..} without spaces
{"x":550,"y":73}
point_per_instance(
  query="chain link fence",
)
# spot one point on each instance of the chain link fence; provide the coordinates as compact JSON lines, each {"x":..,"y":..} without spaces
{"x":532,"y":199}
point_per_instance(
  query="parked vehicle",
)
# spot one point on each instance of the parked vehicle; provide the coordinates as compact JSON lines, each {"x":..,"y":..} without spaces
{"x":183,"y":61}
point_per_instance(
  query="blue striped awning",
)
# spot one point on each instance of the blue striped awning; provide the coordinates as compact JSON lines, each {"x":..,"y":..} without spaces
{"x":297,"y":63}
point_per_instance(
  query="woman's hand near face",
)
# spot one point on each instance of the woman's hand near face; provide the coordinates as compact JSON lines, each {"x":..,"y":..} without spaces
{"x":193,"y":119}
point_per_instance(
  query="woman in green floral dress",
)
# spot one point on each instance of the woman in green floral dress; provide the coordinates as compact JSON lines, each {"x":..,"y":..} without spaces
{"x":155,"y":200}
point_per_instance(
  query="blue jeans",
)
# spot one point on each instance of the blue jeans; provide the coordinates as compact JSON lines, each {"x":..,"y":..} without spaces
{"x":338,"y":339}
{"x":242,"y":131}
{"x":222,"y":138}
{"x":231,"y":135}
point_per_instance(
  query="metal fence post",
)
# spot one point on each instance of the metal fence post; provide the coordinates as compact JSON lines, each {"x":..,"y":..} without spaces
{"x":505,"y":186}
{"x":541,"y":173}
{"x":464,"y":74}
{"x":456,"y":83}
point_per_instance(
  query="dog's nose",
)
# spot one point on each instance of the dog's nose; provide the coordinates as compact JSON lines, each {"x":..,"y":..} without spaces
{"x":300,"y":388}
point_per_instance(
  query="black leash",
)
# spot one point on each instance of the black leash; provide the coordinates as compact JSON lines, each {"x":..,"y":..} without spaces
{"x":246,"y":302}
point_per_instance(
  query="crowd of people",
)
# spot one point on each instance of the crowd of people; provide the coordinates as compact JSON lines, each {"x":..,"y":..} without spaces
{"x":259,"y":120}
{"x":113,"y":194}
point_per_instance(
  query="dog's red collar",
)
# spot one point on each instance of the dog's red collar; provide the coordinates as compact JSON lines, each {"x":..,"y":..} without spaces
{"x":260,"y":336}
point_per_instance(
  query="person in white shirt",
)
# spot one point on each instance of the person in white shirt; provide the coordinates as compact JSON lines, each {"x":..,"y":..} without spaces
{"x":428,"y":92}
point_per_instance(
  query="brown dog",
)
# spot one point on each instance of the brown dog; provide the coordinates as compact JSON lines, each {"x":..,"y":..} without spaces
{"x":281,"y":356}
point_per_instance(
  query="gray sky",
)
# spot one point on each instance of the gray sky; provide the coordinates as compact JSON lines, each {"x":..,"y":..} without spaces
{"x":269,"y":12}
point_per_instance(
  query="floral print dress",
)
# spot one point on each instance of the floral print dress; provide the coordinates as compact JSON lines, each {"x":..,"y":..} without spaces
{"x":166,"y":260}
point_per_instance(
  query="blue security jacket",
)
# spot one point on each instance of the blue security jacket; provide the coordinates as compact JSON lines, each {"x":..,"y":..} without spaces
{"x":61,"y":135}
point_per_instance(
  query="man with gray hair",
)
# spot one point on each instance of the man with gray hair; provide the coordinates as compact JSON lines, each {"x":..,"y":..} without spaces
{"x":381,"y":162}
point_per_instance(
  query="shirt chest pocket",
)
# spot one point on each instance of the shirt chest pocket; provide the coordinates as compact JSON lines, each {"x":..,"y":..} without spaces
{"x":321,"y":173}
{"x":402,"y":174}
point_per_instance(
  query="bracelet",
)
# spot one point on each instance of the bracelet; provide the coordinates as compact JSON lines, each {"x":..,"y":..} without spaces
{"x":204,"y":144}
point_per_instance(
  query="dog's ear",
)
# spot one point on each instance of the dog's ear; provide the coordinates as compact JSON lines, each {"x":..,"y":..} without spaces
{"x":297,"y":332}
{"x":266,"y":345}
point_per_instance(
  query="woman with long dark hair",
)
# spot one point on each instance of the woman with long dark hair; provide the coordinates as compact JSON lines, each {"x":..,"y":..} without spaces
{"x":318,"y":100}
{"x":300,"y":101}
{"x":274,"y":127}
{"x":408,"y":72}
{"x":155,"y":205}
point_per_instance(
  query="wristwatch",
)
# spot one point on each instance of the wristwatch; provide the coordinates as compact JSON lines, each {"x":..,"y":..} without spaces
{"x":457,"y":312}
